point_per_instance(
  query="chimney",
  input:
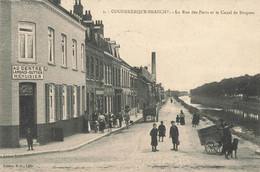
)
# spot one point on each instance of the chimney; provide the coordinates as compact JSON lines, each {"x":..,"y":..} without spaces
{"x":87,"y":16}
{"x":78,"y":8}
{"x":154,"y":65}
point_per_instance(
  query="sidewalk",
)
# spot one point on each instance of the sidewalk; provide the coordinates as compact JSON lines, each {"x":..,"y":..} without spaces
{"x":69,"y":144}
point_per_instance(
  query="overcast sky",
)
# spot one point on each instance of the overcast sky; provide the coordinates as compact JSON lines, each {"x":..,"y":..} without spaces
{"x":191,"y":49}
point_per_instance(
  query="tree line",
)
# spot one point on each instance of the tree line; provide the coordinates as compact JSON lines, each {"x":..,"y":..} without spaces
{"x":244,"y":86}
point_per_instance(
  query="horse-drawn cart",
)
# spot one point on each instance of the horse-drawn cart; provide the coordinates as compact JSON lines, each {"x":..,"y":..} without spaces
{"x":211,"y":138}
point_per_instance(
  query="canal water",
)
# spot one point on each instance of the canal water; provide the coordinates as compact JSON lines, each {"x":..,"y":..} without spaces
{"x":243,"y":121}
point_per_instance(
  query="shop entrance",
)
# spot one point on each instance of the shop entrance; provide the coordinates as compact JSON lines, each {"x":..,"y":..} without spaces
{"x":27,"y":109}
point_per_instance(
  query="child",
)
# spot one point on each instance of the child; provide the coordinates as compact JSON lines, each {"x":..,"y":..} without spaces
{"x":162,"y":131}
{"x":29,"y":138}
{"x":178,"y":119}
{"x":174,"y":134}
{"x":153,"y":135}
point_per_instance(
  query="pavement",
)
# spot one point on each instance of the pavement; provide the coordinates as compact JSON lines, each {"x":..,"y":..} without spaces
{"x":70,"y":143}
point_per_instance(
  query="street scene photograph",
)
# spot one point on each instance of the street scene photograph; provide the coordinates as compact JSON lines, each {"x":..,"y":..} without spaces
{"x":130,"y":85}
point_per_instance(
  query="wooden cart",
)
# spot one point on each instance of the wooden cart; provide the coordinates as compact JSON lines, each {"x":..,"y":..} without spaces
{"x":150,"y":111}
{"x":211,"y":138}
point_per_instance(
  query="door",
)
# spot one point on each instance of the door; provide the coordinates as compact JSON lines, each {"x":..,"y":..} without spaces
{"x":27,"y":103}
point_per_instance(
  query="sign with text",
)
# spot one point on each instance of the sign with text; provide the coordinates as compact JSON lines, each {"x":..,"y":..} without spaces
{"x":27,"y":72}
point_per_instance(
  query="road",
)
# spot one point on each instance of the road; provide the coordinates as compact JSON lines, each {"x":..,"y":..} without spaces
{"x":130,"y":150}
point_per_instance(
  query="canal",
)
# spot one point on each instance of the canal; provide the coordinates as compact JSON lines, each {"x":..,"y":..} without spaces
{"x":243,"y":121}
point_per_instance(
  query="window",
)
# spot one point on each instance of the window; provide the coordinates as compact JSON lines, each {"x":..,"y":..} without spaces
{"x":109,"y":75}
{"x":82,"y":50}
{"x":74,"y":101}
{"x":87,"y":66}
{"x":91,"y":68}
{"x":101,"y":70}
{"x":63,"y":50}
{"x":52,"y":102}
{"x":74,"y":54}
{"x":97,"y":69}
{"x":50,"y":45}
{"x":64,"y":102}
{"x":26,"y":42}
{"x":105,"y":66}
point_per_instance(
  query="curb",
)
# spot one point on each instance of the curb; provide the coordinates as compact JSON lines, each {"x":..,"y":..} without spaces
{"x":65,"y":150}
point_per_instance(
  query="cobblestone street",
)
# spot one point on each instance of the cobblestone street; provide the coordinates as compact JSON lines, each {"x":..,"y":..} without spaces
{"x":130,"y":150}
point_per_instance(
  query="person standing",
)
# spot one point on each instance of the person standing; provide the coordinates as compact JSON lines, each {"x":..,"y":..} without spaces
{"x":86,"y":122}
{"x":110,"y":121}
{"x":102,"y":124}
{"x":227,"y":139}
{"x":194,"y":120}
{"x":182,"y":118}
{"x":162,"y":131}
{"x":114,"y":119}
{"x":174,"y":134}
{"x":153,"y":134}
{"x":29,"y":138}
{"x":127,"y":117}
{"x":120,"y":118}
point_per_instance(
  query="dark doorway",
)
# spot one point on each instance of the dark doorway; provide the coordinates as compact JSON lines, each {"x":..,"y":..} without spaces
{"x":27,"y":99}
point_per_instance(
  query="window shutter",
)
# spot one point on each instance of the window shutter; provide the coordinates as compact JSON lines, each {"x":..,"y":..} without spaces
{"x":78,"y":100}
{"x":83,"y":99}
{"x":57,"y":102}
{"x":47,"y":108}
{"x":72,"y":100}
{"x":69,"y":101}
{"x":62,"y":102}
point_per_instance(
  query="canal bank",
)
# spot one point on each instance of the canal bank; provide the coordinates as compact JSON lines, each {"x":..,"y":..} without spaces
{"x":245,"y":135}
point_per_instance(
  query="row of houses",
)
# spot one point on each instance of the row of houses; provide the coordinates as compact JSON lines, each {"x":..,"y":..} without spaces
{"x":57,"y":68}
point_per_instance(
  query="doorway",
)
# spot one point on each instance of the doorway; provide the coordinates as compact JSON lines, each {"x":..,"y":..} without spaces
{"x":27,"y":109}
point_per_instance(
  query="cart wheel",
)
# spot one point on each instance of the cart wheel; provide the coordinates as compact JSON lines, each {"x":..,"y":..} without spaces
{"x":209,"y":147}
{"x":218,"y":148}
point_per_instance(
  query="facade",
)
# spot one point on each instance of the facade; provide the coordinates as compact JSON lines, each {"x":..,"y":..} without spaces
{"x":57,"y":67}
{"x":42,"y":71}
{"x":125,"y":84}
{"x":145,"y":92}
{"x":112,"y":80}
{"x":94,"y":68}
{"x":134,"y":92}
{"x":159,"y":92}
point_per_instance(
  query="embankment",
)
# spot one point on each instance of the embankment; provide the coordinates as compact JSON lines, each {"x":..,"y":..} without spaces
{"x":246,"y":136}
{"x":228,"y":102}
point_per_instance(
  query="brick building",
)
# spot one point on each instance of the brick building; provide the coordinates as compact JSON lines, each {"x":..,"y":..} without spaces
{"x":42,"y":70}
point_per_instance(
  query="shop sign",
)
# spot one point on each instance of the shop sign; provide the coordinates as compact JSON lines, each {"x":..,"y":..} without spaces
{"x":99,"y":92}
{"x":28,"y":72}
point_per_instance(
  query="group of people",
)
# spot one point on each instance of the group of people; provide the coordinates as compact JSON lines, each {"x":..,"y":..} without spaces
{"x":109,"y":121}
{"x":180,"y":119}
{"x":161,"y":131}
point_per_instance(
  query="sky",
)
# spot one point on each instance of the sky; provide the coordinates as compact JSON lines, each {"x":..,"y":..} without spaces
{"x":191,"y":49}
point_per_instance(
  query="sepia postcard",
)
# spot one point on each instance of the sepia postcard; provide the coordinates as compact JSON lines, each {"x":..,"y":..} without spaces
{"x":130,"y":85}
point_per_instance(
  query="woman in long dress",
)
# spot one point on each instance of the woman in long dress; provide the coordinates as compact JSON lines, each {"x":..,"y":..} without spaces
{"x":182,"y":118}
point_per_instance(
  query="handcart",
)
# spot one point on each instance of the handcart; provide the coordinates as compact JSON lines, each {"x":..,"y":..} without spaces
{"x":211,"y":138}
{"x":152,"y":111}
